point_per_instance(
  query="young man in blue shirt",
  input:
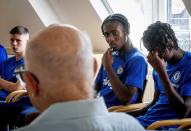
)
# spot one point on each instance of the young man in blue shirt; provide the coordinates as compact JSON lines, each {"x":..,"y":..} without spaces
{"x":172,"y":78}
{"x":123,"y":71}
{"x":19,"y":37}
{"x":9,"y":112}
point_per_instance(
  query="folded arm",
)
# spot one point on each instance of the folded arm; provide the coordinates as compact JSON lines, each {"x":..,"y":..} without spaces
{"x":11,"y":86}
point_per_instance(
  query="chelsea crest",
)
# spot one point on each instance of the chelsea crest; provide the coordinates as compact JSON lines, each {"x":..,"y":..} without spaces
{"x":176,"y":76}
{"x":119,"y":70}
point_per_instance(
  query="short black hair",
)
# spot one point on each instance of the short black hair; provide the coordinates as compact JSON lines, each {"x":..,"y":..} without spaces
{"x":19,"y":30}
{"x":159,"y":35}
{"x":119,"y":18}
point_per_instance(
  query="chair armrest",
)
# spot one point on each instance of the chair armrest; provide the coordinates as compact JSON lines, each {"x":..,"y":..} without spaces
{"x":113,"y":108}
{"x":19,"y":95}
{"x":132,"y":107}
{"x":15,"y":96}
{"x":175,"y":122}
{"x":127,"y":108}
{"x":185,"y":126}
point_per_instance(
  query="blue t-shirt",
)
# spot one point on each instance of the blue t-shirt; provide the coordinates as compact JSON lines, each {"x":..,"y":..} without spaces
{"x":3,"y":57}
{"x":131,"y":69}
{"x":8,"y":68}
{"x":180,"y":77}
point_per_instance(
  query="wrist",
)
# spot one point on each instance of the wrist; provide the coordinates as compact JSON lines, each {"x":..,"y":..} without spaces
{"x":108,"y":67}
{"x":164,"y":76}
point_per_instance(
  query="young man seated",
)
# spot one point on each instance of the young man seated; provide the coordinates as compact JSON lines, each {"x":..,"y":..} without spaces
{"x":9,"y":112}
{"x":171,"y":74}
{"x":124,"y":68}
{"x":19,"y":37}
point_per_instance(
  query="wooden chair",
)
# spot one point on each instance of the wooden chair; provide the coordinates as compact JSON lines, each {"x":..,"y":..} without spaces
{"x":12,"y":97}
{"x":15,"y":96}
{"x":127,"y":108}
{"x":181,"y":123}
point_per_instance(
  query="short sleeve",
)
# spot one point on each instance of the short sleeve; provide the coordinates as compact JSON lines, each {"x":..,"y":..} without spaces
{"x":136,"y":72}
{"x":155,"y":77}
{"x":185,"y":88}
{"x":3,"y":57}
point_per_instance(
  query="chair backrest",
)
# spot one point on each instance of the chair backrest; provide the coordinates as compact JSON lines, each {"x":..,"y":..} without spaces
{"x":141,"y":93}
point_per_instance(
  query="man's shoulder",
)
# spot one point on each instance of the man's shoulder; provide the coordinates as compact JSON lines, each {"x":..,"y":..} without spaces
{"x":138,"y":59}
{"x":1,"y":46}
{"x":136,"y":54}
{"x":118,"y":116}
{"x":186,"y":62}
{"x":2,"y":50}
{"x":103,"y":122}
{"x":121,"y":115}
{"x":10,"y":59}
{"x":126,"y":120}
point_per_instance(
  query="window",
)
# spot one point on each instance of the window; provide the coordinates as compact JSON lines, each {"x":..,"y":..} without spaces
{"x":142,"y":13}
{"x":138,"y":15}
{"x":179,"y":19}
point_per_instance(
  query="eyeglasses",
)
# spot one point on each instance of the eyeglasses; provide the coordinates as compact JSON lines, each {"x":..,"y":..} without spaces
{"x":19,"y":72}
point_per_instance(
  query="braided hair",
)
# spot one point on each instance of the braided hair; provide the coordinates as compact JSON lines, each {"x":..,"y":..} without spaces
{"x":117,"y":18}
{"x":159,"y":35}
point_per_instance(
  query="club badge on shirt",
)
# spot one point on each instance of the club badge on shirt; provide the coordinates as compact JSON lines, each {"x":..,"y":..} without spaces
{"x":120,"y":70}
{"x":176,"y":76}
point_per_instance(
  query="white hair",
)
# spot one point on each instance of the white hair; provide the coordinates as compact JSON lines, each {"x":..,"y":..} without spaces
{"x":57,"y":62}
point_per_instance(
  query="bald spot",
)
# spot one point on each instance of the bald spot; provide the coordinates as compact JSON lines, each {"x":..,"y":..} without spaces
{"x":58,"y":54}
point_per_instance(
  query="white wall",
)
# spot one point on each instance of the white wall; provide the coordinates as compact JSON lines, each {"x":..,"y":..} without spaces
{"x":17,"y":12}
{"x":36,"y":14}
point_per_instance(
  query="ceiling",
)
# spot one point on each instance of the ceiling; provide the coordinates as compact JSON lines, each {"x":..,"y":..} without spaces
{"x":37,"y":14}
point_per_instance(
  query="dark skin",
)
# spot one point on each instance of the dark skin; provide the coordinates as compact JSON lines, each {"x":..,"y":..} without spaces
{"x":117,"y":39}
{"x":180,"y":104}
{"x":142,"y":111}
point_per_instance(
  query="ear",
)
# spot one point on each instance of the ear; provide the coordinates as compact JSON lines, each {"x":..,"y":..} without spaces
{"x":126,"y":32}
{"x":31,"y":84}
{"x":95,"y":66}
